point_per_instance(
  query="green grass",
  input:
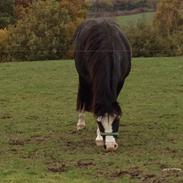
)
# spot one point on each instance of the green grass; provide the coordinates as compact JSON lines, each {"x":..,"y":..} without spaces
{"x":39,"y":142}
{"x":134,"y":19}
{"x":146,"y":17}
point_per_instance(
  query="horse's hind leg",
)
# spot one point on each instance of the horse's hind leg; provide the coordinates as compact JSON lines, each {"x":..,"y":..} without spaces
{"x":81,"y":121}
{"x":83,"y":102}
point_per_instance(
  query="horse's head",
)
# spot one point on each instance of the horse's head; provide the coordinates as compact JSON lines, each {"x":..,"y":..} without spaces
{"x":109,"y":126}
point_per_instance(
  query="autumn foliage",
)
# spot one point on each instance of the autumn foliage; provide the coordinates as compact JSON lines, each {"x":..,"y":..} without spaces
{"x":168,"y":18}
{"x":45,"y":29}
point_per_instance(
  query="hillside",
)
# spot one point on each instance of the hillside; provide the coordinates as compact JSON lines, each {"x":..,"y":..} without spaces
{"x":133,"y":19}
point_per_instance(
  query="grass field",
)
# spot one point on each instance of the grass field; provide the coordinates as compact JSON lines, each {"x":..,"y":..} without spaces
{"x":146,"y":17}
{"x":39,"y":142}
{"x":133,"y":19}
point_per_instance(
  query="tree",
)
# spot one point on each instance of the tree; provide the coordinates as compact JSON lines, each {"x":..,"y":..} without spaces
{"x":168,"y":19}
{"x":6,"y":13}
{"x":101,"y":5}
{"x":3,"y":43}
{"x":21,"y":7}
{"x":46,"y":30}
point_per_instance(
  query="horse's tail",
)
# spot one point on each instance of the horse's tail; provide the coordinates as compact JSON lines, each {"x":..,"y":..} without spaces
{"x":105,"y":77}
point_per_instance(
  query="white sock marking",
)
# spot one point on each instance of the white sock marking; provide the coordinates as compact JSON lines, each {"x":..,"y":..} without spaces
{"x":81,"y":121}
{"x":99,"y":139}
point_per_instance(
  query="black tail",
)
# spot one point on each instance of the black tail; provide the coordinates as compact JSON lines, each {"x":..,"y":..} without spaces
{"x":105,"y":77}
{"x":102,"y":57}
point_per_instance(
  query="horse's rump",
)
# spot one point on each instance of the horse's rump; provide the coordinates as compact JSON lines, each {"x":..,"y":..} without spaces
{"x":102,"y":57}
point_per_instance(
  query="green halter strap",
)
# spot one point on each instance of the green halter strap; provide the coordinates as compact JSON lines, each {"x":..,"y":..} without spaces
{"x":99,"y":120}
{"x":109,"y":134}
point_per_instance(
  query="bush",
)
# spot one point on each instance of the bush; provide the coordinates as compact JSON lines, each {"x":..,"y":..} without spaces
{"x":44,"y":32}
{"x":178,"y":41}
{"x":6,"y":13}
{"x":146,"y":41}
{"x":3,"y":44}
{"x":101,"y":5}
{"x":168,"y":16}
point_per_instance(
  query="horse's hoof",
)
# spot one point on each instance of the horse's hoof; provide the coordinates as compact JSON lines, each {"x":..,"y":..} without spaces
{"x":80,"y":127}
{"x":99,"y":143}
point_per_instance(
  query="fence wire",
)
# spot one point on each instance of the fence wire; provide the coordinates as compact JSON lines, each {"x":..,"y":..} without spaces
{"x":98,"y":11}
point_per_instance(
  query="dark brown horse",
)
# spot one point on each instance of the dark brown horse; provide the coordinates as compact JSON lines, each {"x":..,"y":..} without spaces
{"x":103,"y":61}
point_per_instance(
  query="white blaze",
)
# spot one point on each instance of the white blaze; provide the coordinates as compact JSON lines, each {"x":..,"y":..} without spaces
{"x":107,"y":121}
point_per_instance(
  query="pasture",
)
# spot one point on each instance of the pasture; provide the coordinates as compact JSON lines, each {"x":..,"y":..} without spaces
{"x":38,"y":137}
{"x":146,"y":17}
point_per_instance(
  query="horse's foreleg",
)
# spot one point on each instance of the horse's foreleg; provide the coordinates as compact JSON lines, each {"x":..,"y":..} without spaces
{"x":81,"y":121}
{"x":99,"y":139}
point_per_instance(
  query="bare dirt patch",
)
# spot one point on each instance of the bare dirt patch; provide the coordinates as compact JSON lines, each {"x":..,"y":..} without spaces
{"x":85,"y":164}
{"x":57,"y":167}
{"x":5,"y":116}
{"x":172,"y":172}
{"x":132,"y":172}
{"x":39,"y":138}
{"x":16,"y":141}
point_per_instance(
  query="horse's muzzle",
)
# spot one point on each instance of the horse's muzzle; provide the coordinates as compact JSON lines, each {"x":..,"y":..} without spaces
{"x":111,"y":146}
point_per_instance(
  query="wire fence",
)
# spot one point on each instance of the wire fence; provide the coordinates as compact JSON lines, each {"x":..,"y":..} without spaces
{"x":82,"y":51}
{"x":105,"y":11}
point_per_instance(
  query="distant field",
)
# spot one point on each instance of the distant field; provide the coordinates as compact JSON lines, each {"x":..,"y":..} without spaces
{"x":146,"y":17}
{"x":39,"y":142}
{"x":133,"y":19}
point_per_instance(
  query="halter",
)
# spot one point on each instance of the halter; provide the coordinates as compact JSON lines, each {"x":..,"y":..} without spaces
{"x":109,"y":134}
{"x":116,"y":134}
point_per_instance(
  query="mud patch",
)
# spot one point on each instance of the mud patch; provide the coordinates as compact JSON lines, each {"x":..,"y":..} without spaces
{"x":119,"y":173}
{"x":132,"y":172}
{"x":70,"y":144}
{"x":57,"y":167}
{"x":149,"y":178}
{"x":74,"y":132}
{"x":85,"y":164}
{"x":164,"y":176}
{"x":5,"y":116}
{"x":16,"y":141}
{"x":38,"y":138}
{"x":172,"y":172}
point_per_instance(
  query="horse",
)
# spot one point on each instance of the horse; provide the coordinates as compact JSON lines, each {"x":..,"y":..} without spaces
{"x":103,"y":61}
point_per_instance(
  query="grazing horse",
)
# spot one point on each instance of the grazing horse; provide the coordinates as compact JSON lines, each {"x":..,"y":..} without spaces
{"x":103,"y":61}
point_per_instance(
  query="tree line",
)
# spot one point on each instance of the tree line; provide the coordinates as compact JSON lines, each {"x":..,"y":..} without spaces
{"x":43,"y":29}
{"x":10,"y":10}
{"x":162,"y":37}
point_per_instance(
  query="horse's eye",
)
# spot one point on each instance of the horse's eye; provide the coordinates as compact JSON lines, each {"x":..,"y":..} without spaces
{"x":101,"y":128}
{"x":115,"y":125}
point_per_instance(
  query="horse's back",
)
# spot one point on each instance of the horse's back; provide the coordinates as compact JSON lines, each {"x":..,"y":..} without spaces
{"x":100,"y":43}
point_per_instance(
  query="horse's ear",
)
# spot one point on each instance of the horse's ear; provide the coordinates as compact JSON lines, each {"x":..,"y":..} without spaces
{"x":116,"y":116}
